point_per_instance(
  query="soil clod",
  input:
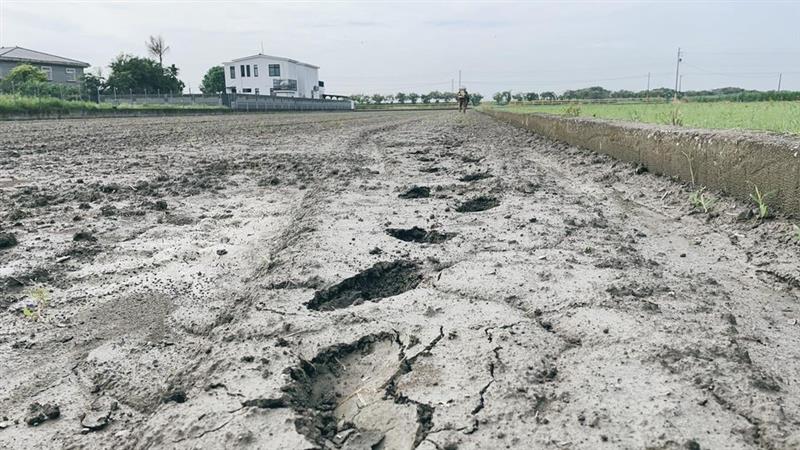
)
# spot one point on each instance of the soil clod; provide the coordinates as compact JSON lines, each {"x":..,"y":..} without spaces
{"x":38,"y":413}
{"x":481,"y":203}
{"x":417,"y":234}
{"x":475,"y":176}
{"x":7,"y":240}
{"x":384,"y":279}
{"x":417,"y":192}
{"x":84,"y":236}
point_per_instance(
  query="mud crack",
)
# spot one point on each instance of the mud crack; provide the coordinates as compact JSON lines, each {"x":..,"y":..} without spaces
{"x":348,"y":393}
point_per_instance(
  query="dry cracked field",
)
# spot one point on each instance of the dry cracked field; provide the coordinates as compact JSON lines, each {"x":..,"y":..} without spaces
{"x":398,"y":280}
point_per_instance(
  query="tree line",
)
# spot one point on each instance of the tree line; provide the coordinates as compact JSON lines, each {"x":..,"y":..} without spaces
{"x":413,"y":98}
{"x":599,"y":93}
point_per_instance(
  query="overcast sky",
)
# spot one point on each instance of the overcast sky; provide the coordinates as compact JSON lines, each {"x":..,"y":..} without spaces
{"x":372,"y":47}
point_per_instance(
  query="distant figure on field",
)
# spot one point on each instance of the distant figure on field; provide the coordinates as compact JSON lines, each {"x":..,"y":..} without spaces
{"x":463,"y":99}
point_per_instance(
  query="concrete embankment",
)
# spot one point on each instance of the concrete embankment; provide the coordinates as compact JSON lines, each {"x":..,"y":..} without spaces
{"x":730,"y":161}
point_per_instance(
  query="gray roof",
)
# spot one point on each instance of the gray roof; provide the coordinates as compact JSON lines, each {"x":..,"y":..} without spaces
{"x":281,"y":58}
{"x":25,"y":55}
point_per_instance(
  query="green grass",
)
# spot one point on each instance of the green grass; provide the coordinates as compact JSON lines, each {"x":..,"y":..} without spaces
{"x":766,"y":116}
{"x":15,"y":104}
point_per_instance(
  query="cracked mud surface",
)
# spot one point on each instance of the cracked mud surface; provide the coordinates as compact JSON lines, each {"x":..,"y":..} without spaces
{"x":232,"y":282}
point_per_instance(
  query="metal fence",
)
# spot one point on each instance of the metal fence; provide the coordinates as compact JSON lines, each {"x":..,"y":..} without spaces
{"x":47,"y":90}
{"x":163,"y":99}
{"x":247,"y":102}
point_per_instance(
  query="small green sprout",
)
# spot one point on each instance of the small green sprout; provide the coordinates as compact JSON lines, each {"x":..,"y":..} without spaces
{"x":39,"y":295}
{"x":760,"y":199}
{"x":701,"y":199}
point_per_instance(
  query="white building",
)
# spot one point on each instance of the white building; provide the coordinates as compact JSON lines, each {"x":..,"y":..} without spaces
{"x":273,"y":75}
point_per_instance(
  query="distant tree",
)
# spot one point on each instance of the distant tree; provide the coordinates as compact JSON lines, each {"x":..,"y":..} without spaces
{"x":359,"y":98}
{"x":622,"y":93}
{"x":662,"y":92}
{"x":518,"y":97}
{"x":25,"y":73}
{"x":594,"y":92}
{"x":547,"y":95}
{"x":92,"y":84}
{"x":413,"y":96}
{"x":157,"y":48}
{"x":531,"y":96}
{"x":475,"y":99}
{"x":426,"y":98}
{"x":131,"y":73}
{"x":448,"y":96}
{"x":213,"y":81}
{"x":400,"y":97}
{"x":390,"y":98}
{"x":435,"y":96}
{"x":378,"y":98}
{"x":499,"y":98}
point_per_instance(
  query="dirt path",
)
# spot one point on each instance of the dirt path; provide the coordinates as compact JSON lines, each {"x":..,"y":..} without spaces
{"x":387,"y":280}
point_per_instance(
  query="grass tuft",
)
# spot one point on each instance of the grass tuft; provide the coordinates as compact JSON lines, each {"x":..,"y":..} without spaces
{"x":760,"y":199}
{"x":40,"y":296}
{"x":700,"y":199}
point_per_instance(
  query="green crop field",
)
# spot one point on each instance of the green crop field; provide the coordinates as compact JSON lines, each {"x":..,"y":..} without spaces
{"x":782,"y":116}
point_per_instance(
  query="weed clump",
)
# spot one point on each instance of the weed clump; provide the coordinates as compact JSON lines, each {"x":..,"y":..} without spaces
{"x":572,"y":111}
{"x":41,"y":302}
{"x":700,"y":199}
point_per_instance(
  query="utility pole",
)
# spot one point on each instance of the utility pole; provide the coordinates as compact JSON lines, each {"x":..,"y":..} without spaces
{"x":452,"y":88}
{"x":677,"y":75}
{"x":780,"y":76}
{"x":680,"y":83}
{"x":459,"y":78}
{"x":648,"y":85}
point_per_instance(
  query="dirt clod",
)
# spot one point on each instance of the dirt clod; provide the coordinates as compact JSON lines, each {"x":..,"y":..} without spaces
{"x":38,"y":413}
{"x":475,"y":176}
{"x":417,"y":234}
{"x":384,"y":279}
{"x":416,"y":192}
{"x":481,"y":203}
{"x":7,"y":240}
{"x":84,"y":236}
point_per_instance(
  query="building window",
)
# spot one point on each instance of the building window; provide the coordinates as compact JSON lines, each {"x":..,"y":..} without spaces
{"x":321,"y":84}
{"x":248,"y":70}
{"x":71,"y":76}
{"x":274,"y":70}
{"x":256,"y":91}
{"x":247,"y":90}
{"x":48,"y":71}
{"x":233,"y":72}
{"x":241,"y":70}
{"x":255,"y":70}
